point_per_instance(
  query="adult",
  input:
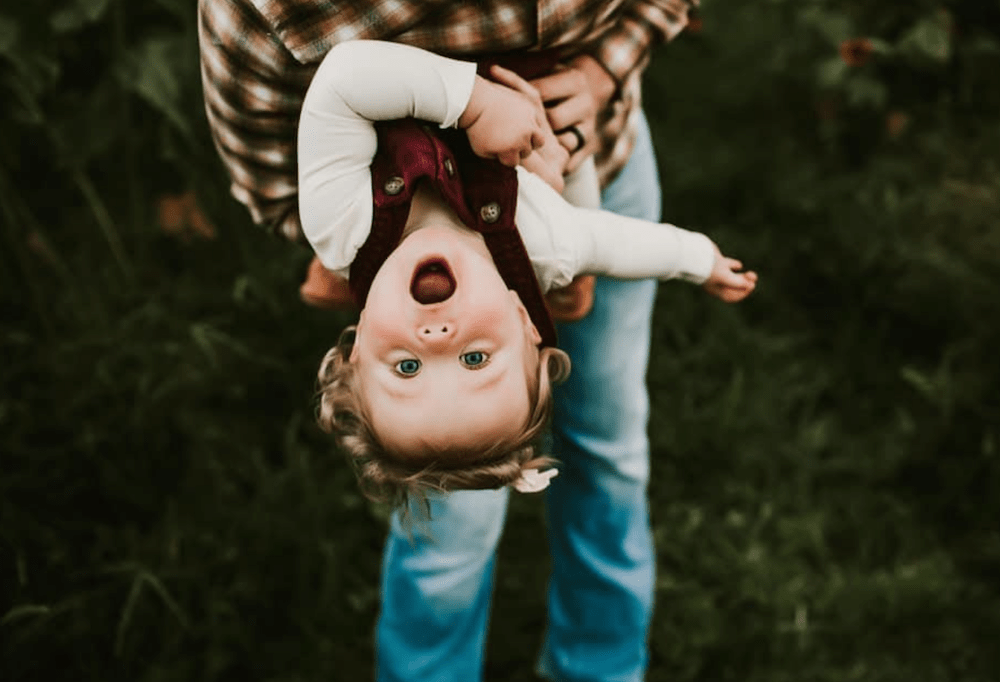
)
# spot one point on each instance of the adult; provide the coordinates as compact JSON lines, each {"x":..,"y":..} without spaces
{"x":258,"y":58}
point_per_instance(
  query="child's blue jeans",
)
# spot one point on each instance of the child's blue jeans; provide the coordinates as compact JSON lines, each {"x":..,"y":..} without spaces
{"x":438,"y":575}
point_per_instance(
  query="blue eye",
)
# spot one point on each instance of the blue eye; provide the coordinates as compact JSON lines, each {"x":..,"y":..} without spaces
{"x":475,"y":359}
{"x":408,"y":367}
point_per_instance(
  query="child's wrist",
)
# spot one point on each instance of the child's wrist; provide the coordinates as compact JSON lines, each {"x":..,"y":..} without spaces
{"x":474,"y":109}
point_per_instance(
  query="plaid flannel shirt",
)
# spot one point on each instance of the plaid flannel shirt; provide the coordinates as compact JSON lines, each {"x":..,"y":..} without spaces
{"x":259,"y":56}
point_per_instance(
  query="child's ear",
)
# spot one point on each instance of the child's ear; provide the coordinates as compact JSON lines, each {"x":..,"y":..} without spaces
{"x":532,"y":330}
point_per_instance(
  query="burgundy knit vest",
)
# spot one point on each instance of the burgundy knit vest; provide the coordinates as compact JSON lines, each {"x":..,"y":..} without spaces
{"x":482,"y":192}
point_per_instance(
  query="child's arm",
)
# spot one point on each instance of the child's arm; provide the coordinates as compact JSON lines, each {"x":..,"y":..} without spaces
{"x":603,"y":243}
{"x":361,"y":81}
{"x":632,"y":248}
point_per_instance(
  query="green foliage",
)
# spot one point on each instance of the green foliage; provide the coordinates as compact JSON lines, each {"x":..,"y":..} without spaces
{"x":104,"y":111}
{"x":825,"y":455}
{"x":849,"y":525}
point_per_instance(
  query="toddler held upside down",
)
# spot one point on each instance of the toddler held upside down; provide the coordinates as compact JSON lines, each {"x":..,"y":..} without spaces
{"x":434,"y":191}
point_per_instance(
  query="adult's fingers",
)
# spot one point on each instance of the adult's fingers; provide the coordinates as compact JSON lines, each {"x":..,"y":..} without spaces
{"x":575,"y":111}
{"x":559,"y":85}
{"x":574,"y":143}
{"x":577,"y":158}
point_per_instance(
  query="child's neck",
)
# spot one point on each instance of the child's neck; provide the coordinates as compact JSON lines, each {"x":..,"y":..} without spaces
{"x":427,"y":208}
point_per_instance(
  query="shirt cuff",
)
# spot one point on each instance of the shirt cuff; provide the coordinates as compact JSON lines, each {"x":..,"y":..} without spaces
{"x":460,"y":84}
{"x":700,"y":254}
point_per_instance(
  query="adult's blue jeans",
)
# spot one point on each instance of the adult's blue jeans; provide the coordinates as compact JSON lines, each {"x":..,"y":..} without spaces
{"x":437,"y":578}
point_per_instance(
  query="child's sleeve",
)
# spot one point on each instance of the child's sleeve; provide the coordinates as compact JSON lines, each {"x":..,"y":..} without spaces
{"x":630,"y":248}
{"x":357,"y":83}
{"x":597,"y":242}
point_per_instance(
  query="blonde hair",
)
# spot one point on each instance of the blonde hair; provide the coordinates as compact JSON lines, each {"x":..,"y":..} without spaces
{"x":384,"y":476}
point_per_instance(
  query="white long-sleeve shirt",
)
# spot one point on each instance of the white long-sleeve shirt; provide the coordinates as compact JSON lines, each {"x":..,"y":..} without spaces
{"x":363,"y":81}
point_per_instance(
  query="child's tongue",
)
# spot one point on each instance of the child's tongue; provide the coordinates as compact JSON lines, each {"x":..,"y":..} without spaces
{"x":432,"y":283}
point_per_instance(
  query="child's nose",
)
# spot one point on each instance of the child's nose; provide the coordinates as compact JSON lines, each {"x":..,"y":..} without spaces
{"x":437,"y":333}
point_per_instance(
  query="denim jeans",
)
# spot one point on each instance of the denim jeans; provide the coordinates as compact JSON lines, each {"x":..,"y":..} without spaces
{"x":437,"y":577}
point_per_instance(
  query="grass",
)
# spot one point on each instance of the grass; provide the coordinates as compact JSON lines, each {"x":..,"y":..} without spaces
{"x":825,"y":481}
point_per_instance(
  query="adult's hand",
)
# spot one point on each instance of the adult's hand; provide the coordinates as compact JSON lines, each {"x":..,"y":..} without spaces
{"x":573,"y":97}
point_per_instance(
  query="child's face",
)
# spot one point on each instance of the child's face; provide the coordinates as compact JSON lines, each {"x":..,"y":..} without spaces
{"x":453,"y":370}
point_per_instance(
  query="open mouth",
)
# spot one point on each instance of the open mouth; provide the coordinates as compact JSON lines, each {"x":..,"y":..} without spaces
{"x":432,"y":282}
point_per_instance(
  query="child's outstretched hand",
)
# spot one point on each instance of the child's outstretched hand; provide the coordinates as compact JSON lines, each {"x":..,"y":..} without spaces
{"x":504,"y":122}
{"x":726,"y":282}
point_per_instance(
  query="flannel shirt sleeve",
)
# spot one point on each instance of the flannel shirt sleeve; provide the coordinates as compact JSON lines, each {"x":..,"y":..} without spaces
{"x":253,"y":90}
{"x":643,"y":24}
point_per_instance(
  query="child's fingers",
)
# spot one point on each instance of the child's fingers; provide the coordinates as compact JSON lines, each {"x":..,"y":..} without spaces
{"x":736,"y":294}
{"x":543,"y":168}
{"x":509,"y":78}
{"x":733,"y":287}
{"x":537,"y":140}
{"x":515,"y":82}
{"x":749,"y":284}
{"x":734,"y":279}
{"x":749,"y":281}
{"x":511,"y":158}
{"x":515,"y":154}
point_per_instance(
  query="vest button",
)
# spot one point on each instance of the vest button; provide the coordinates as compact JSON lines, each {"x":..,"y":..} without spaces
{"x":394,"y":185}
{"x":490,"y":213}
{"x":449,"y":167}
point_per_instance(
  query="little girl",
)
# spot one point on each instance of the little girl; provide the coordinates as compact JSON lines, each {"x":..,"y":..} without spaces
{"x":445,"y":381}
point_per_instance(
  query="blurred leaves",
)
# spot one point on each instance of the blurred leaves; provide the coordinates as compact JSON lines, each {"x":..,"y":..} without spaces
{"x":824,"y":454}
{"x":77,"y":14}
{"x":9,"y":30}
{"x":928,"y":40}
{"x":864,"y":191}
{"x":149,"y":71}
{"x":24,"y":611}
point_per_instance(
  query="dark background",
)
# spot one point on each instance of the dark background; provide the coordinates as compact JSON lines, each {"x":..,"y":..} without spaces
{"x":826,"y":481}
